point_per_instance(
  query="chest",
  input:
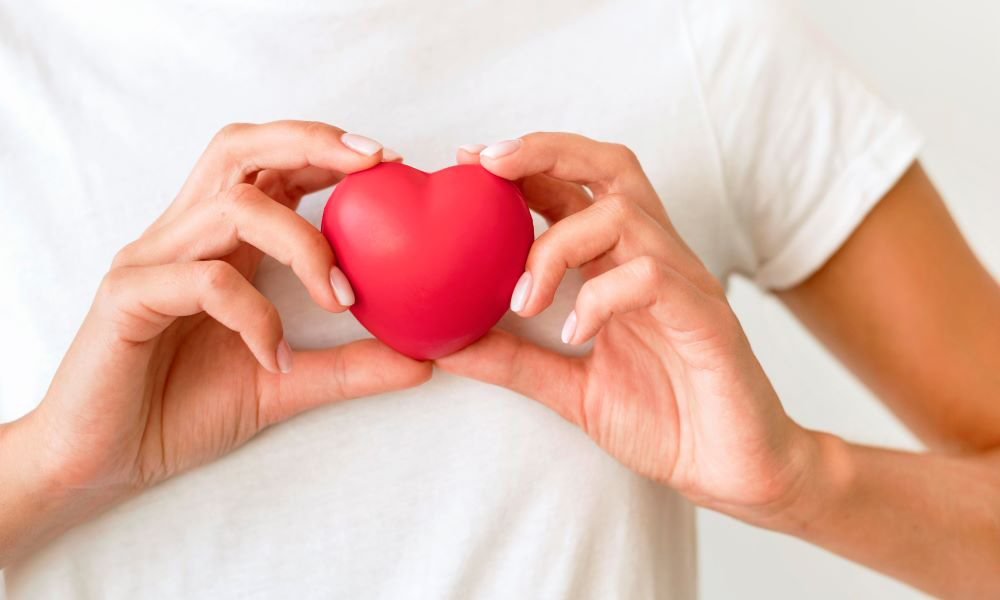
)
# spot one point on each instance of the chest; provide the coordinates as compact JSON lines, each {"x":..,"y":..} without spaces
{"x":97,"y":141}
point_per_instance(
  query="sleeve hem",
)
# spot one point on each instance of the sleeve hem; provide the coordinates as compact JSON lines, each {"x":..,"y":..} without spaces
{"x":868,"y":178}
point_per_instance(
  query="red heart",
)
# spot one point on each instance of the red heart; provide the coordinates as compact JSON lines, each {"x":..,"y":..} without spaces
{"x":433,"y":257}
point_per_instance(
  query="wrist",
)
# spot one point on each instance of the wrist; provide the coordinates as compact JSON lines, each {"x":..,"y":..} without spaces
{"x":29,"y":492}
{"x":30,"y":476}
{"x":824,"y":484}
{"x":38,"y":500}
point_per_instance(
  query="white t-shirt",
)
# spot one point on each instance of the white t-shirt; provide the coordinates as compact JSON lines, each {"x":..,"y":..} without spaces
{"x":766,"y":150}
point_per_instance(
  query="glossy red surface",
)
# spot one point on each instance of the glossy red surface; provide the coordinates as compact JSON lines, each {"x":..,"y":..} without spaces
{"x":432,"y":257}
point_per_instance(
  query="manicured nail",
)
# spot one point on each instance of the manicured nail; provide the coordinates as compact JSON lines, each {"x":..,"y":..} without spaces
{"x":284,"y":356}
{"x":500,"y":148}
{"x":390,"y":155}
{"x":520,"y":296}
{"x":360,"y":144}
{"x":472,"y":148}
{"x":569,"y":327}
{"x":341,"y":287}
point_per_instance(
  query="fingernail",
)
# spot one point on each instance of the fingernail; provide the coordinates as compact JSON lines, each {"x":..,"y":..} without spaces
{"x":500,"y":148}
{"x":284,"y":356}
{"x":520,"y":296}
{"x":360,"y":144}
{"x":569,"y":327}
{"x":341,"y":287}
{"x":472,"y":148}
{"x":389,"y":155}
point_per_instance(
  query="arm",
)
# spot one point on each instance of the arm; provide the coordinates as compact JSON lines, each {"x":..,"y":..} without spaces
{"x":932,"y":520}
{"x":906,"y":305}
{"x":672,"y":390}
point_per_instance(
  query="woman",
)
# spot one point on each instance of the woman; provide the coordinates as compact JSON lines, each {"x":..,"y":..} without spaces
{"x":760,"y":154}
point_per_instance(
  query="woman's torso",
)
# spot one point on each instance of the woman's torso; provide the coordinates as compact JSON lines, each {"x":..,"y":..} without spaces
{"x":454,"y":489}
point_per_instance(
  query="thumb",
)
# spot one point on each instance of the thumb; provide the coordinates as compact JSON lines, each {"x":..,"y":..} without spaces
{"x":526,"y":368}
{"x":320,"y":377}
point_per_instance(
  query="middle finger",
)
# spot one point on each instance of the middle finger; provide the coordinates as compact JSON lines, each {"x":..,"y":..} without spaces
{"x":613,"y":227}
{"x":243,"y":213}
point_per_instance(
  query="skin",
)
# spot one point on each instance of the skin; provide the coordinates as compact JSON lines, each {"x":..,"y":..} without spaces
{"x":179,"y":359}
{"x":670,"y":388}
{"x":916,"y":269}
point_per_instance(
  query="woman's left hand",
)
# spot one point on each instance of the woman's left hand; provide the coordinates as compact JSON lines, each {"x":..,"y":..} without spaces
{"x":671,"y":387}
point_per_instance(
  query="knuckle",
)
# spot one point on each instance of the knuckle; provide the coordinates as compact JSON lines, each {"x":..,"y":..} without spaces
{"x":311,"y":249}
{"x":113,"y":284}
{"x":619,"y":207}
{"x":225,"y":142}
{"x":623,"y":154}
{"x":317,"y":254}
{"x":647,"y":271}
{"x":316,"y":245}
{"x":267,"y":318}
{"x":313,"y":129}
{"x":217,"y":276}
{"x":339,"y":384}
{"x":124,"y":256}
{"x":225,"y":135}
{"x":240,"y":197}
{"x":546,"y":248}
{"x":319,"y":132}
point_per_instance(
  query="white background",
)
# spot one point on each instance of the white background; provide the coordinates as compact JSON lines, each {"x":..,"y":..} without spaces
{"x":939,"y":61}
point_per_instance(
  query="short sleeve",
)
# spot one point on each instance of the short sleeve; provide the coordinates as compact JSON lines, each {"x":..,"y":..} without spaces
{"x":806,"y":146}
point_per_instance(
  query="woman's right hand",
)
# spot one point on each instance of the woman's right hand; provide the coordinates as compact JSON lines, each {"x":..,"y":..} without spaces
{"x":180,"y":359}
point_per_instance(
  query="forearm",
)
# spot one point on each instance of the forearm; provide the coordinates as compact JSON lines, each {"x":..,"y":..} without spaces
{"x":35,"y":502}
{"x":931,"y":520}
{"x":23,"y":497}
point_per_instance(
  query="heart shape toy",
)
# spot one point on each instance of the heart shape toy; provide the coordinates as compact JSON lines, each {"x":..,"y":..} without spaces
{"x":433,"y":257}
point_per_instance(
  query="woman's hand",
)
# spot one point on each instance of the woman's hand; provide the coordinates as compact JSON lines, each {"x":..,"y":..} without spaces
{"x":671,"y":387}
{"x":181,"y":359}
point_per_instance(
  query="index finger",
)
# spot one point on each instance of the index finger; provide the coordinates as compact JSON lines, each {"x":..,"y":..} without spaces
{"x":239,"y":151}
{"x":606,"y":168}
{"x":601,"y":166}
